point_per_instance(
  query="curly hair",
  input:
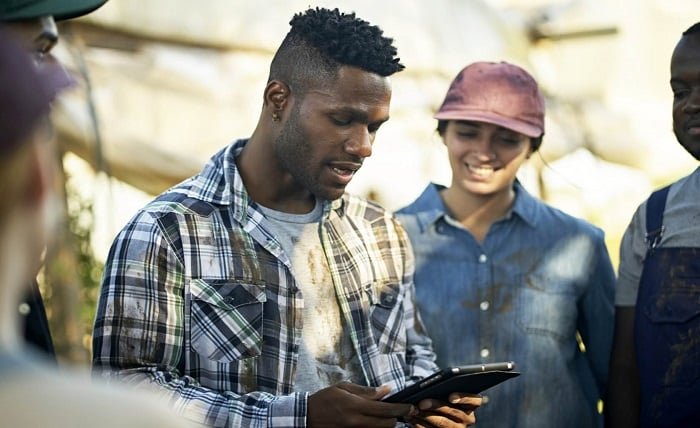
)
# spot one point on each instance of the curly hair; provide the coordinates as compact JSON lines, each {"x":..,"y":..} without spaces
{"x":322,"y":40}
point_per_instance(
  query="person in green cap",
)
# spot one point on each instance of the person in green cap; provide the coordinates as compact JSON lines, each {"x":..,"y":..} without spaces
{"x":33,"y":23}
{"x":32,"y":393}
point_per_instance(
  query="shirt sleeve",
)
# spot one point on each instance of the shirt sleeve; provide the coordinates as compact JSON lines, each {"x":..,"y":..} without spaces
{"x":632,"y":252}
{"x":420,"y":357}
{"x":597,"y":312}
{"x":140,"y":329}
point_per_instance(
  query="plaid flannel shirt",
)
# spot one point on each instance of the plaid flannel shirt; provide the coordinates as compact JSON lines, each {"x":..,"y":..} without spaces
{"x":199,"y":299}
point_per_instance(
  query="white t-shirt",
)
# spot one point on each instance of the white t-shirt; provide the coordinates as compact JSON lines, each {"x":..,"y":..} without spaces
{"x":682,"y":229}
{"x":326,"y":354}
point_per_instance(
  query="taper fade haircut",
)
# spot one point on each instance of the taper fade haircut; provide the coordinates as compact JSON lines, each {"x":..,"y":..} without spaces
{"x":322,"y":40}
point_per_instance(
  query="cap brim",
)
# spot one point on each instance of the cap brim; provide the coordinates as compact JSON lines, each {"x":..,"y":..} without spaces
{"x":59,"y":9}
{"x":525,"y":128}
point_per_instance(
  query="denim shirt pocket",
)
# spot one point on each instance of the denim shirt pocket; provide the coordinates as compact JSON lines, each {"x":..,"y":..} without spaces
{"x":547,"y":307}
{"x":387,"y":316}
{"x":226,"y":319}
{"x":676,"y":312}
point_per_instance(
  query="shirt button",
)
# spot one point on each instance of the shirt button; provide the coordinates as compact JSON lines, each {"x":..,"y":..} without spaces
{"x":483,"y":258}
{"x":24,"y":309}
{"x":484,"y":305}
{"x":485,"y":353}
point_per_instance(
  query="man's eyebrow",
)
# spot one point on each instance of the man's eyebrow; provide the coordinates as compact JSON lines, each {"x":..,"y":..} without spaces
{"x":357,"y":114}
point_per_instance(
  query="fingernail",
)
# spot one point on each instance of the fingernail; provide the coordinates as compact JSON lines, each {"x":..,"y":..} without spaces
{"x":425,"y":404}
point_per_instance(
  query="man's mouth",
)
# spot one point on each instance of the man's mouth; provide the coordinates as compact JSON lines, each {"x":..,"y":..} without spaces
{"x":693,"y":126}
{"x":343,"y":171}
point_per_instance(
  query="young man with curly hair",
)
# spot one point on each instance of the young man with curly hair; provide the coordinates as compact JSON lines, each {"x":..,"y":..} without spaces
{"x":259,"y":293}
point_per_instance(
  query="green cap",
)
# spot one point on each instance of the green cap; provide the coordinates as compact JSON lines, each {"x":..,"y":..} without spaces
{"x":15,"y":10}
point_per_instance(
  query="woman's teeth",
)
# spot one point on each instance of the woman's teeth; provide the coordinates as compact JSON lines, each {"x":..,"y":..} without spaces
{"x":481,"y":171}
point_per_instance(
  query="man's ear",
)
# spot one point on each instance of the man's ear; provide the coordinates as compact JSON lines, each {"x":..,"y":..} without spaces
{"x":276,"y":95}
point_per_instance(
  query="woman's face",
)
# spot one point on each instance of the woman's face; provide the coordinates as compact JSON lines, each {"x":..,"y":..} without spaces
{"x":484,"y":158}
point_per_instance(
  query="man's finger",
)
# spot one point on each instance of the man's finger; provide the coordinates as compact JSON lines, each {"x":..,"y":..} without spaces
{"x":368,"y":392}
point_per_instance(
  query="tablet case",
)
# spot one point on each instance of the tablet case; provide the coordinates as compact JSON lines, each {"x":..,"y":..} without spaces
{"x":440,"y":385}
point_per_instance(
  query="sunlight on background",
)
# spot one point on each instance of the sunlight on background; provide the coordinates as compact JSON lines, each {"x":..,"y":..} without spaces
{"x":173,"y":81}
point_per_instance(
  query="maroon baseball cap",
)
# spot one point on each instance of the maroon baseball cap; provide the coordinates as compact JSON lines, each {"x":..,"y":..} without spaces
{"x":495,"y":92}
{"x":26,"y":92}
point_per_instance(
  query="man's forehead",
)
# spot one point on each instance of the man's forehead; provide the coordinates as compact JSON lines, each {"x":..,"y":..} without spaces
{"x":688,"y":47}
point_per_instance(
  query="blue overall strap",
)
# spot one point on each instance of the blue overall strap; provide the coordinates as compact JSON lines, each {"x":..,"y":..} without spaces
{"x":656,"y":204}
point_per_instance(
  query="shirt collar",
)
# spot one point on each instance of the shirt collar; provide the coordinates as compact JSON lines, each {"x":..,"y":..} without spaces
{"x":220,"y":183}
{"x":430,"y":207}
{"x":525,"y":206}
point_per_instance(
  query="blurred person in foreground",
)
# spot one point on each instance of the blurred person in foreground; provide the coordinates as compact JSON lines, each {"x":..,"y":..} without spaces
{"x":518,"y":276}
{"x":259,"y":293}
{"x":31,"y":394}
{"x":33,"y":22}
{"x":655,"y":367}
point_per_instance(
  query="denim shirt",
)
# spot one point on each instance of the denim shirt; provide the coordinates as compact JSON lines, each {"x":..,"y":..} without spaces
{"x":539,"y":277}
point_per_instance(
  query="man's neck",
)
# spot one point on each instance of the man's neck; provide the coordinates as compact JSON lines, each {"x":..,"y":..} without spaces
{"x":265,"y":183}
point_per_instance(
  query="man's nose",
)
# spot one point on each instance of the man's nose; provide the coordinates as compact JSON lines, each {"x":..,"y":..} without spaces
{"x":693,"y":104}
{"x":360,"y":144}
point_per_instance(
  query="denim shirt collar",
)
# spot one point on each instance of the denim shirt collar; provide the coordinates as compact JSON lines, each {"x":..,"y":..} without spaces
{"x":431,"y":208}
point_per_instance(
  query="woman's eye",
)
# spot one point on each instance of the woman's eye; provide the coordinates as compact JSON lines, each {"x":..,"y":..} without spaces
{"x":467,"y":134}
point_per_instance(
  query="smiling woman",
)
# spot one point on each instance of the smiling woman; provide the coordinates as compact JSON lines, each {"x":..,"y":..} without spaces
{"x":524,"y":277}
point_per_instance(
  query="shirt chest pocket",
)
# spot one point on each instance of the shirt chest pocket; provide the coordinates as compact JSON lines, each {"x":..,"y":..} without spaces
{"x":226,"y":318}
{"x":675,"y":316}
{"x":387,"y":317}
{"x":547,"y":307}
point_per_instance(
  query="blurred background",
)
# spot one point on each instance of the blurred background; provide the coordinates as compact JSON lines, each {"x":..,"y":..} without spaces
{"x":164,"y":84}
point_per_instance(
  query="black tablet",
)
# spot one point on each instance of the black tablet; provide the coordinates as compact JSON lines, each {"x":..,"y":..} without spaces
{"x":472,"y":379}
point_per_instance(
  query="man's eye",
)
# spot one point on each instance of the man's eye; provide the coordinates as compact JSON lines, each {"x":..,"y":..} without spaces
{"x":679,"y":91}
{"x":373,"y":128}
{"x":341,"y":121}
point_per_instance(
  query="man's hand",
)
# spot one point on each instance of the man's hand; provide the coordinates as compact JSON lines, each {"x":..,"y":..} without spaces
{"x":350,"y":405}
{"x":459,"y":412}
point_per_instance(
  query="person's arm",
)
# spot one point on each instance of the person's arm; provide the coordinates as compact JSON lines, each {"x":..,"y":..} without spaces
{"x":622,"y":403}
{"x":596,"y":309}
{"x":140,"y":331}
{"x":420,"y":357}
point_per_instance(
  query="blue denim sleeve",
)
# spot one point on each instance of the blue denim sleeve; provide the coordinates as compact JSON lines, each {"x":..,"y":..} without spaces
{"x":597,"y":313}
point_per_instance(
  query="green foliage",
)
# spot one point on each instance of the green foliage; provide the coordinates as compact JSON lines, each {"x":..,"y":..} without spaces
{"x":80,"y":220}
